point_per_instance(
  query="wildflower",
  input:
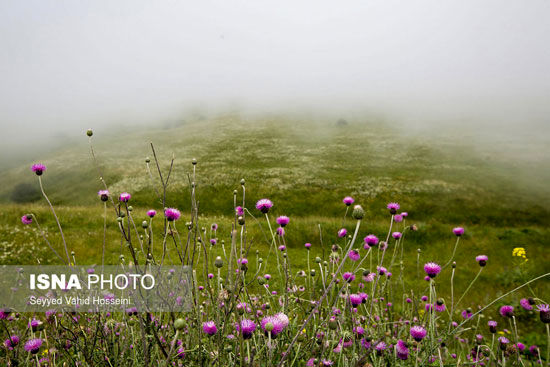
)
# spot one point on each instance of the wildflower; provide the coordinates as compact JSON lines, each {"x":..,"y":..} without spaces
{"x":38,"y":168}
{"x":402,"y":350}
{"x":326,"y":362}
{"x":355,"y":300}
{"x":492,"y":326}
{"x":124,"y":197}
{"x":172,"y":214}
{"x":482,"y":260}
{"x":380,"y":347}
{"x":348,"y":200}
{"x":307,"y":245}
{"x":33,"y":345}
{"x":398,"y":218}
{"x":383,"y":245}
{"x":264,"y":205}
{"x":239,"y":210}
{"x":439,"y":305}
{"x":404,"y":214}
{"x":370,"y":240}
{"x":180,"y":353}
{"x":354,"y":255}
{"x":393,"y":207}
{"x":273,"y":325}
{"x":209,"y":328}
{"x":35,"y":325}
{"x":11,"y":342}
{"x":396,"y":235}
{"x":424,"y":298}
{"x":381,"y":270}
{"x":458,"y":231}
{"x":267,"y":276}
{"x":151,"y":213}
{"x":534,"y":350}
{"x":246,"y":328}
{"x":348,"y":277}
{"x":342,"y":232}
{"x":520,"y":252}
{"x":544,"y":313}
{"x":283,"y":318}
{"x":358,"y":212}
{"x":103,"y":195}
{"x":214,"y":226}
{"x":467,"y":314}
{"x":26,"y":219}
{"x":213,"y":241}
{"x":418,"y":333}
{"x":283,"y":220}
{"x":506,"y":311}
{"x":524,"y":302}
{"x":280,"y":231}
{"x":432,"y":269}
{"x":503,"y":342}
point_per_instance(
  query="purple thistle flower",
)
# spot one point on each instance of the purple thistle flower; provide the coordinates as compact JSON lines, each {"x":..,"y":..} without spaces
{"x":506,"y":311}
{"x":124,"y":197}
{"x":103,"y":195}
{"x":393,"y":207}
{"x":151,"y":213}
{"x":524,"y":302}
{"x":432,"y":269}
{"x":273,"y":325}
{"x":11,"y":342}
{"x":209,"y":328}
{"x":246,"y":328}
{"x":282,"y":248}
{"x":439,"y":305}
{"x":380,"y":347}
{"x":458,"y":231}
{"x":492,"y":326}
{"x":482,"y":259}
{"x":214,"y":226}
{"x":396,"y":235}
{"x":355,"y":300}
{"x":180,"y":353}
{"x":213,"y":241}
{"x":381,"y":270}
{"x":342,"y":232}
{"x":348,"y":277}
{"x":467,"y":314}
{"x":267,"y":276}
{"x":418,"y":333}
{"x":354,"y":255}
{"x":370,"y":240}
{"x":38,"y":168}
{"x":239,"y":210}
{"x":404,"y":214}
{"x":326,"y":362}
{"x":503,"y":342}
{"x":264,"y":205}
{"x":398,"y":218}
{"x":534,"y":350}
{"x":401,"y":349}
{"x":172,"y":214}
{"x":26,"y":219}
{"x":424,"y":298}
{"x":307,"y":245}
{"x":348,"y":200}
{"x":33,"y":345}
{"x":544,"y":313}
{"x":280,"y":231}
{"x":283,"y":220}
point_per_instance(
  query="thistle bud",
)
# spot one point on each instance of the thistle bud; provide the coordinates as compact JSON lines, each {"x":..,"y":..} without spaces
{"x":218,"y":263}
{"x":144,"y":224}
{"x":89,"y":132}
{"x":179,"y":324}
{"x":358,"y":212}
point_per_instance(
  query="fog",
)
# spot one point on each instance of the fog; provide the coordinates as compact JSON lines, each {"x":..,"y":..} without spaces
{"x":69,"y":65}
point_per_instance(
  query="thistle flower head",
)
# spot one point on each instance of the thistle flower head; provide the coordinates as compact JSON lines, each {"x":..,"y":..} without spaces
{"x":151,"y":213}
{"x":307,"y":245}
{"x":103,"y":195}
{"x":38,"y":168}
{"x":11,"y":342}
{"x":482,"y":260}
{"x":209,"y":327}
{"x":544,"y":313}
{"x":33,"y":345}
{"x":401,"y":350}
{"x":355,"y":300}
{"x":354,"y":255}
{"x":524,"y":302}
{"x":348,"y":200}
{"x":342,"y":232}
{"x":26,"y":219}
{"x":418,"y":333}
{"x":273,"y":325}
{"x":264,"y":205}
{"x":124,"y":197}
{"x":280,"y":231}
{"x":458,"y":231}
{"x":432,"y":269}
{"x":370,"y":240}
{"x":172,"y":214}
{"x":393,"y":207}
{"x":246,"y":327}
{"x":283,"y":220}
{"x":492,"y":326}
{"x":239,"y":210}
{"x":506,"y":311}
{"x":396,"y":235}
{"x":348,"y":277}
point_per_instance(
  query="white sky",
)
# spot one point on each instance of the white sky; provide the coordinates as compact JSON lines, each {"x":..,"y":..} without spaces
{"x":67,"y":65}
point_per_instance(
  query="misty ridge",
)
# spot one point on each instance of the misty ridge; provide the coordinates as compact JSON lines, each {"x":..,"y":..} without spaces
{"x":478,"y":71}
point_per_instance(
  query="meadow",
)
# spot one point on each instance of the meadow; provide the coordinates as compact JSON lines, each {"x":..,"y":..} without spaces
{"x":305,"y":168}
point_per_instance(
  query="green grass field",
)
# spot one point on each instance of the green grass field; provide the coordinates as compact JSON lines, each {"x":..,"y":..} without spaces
{"x":306,"y":167}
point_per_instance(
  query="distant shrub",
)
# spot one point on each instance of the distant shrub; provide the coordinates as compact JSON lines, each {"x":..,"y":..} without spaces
{"x":342,"y":122}
{"x":25,"y":193}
